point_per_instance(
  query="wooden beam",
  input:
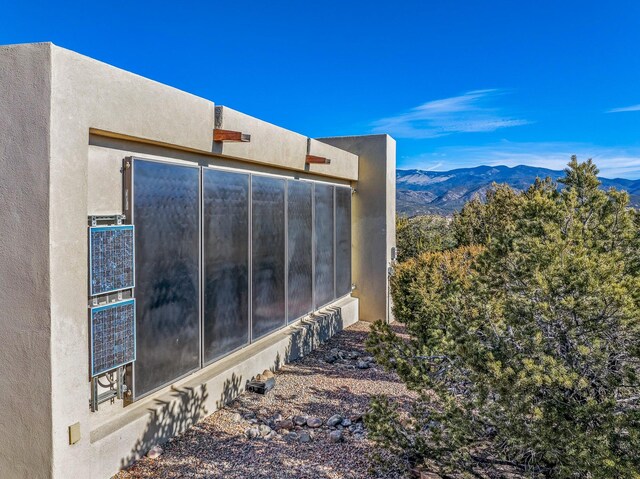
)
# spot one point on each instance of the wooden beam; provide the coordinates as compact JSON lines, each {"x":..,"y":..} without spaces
{"x":318,"y":160}
{"x":230,"y":135}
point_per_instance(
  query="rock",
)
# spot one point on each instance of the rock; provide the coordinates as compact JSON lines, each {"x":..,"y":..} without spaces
{"x":314,"y":422}
{"x":286,"y":424}
{"x":250,"y":415}
{"x":271,"y":435}
{"x":363,"y":364}
{"x":304,"y":437}
{"x":263,"y":412}
{"x":267,"y":374}
{"x":330,"y":358}
{"x":300,"y":420}
{"x":356,"y":417}
{"x":277,"y":417}
{"x":369,"y":359}
{"x":252,"y":433}
{"x":338,"y":353}
{"x":353,"y":355}
{"x":334,"y":420}
{"x":155,"y":452}
{"x":336,"y":436}
{"x":237,"y":417}
{"x":264,"y":430}
{"x":346,"y":422}
{"x":292,"y":436}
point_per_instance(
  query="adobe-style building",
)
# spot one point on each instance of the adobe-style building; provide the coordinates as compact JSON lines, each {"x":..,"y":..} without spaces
{"x":158,"y":251}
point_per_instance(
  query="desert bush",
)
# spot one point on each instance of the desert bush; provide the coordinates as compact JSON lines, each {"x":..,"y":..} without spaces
{"x":421,"y":234}
{"x":523,"y":345}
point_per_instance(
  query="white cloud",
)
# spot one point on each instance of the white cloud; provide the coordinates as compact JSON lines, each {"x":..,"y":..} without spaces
{"x":612,"y":162}
{"x":624,"y":108}
{"x":467,"y":113}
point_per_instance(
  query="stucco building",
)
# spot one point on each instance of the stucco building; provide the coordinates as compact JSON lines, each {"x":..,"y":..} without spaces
{"x":158,"y":251}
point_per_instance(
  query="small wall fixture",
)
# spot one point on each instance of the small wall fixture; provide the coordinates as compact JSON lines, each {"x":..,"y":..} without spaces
{"x":230,"y":135}
{"x":318,"y":160}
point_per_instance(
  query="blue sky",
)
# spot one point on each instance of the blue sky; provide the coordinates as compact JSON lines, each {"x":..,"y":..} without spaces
{"x":457,"y":83}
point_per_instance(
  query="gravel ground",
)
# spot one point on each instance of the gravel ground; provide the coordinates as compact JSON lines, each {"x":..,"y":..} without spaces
{"x":313,"y":387}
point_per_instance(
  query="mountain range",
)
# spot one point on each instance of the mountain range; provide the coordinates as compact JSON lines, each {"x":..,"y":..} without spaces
{"x":444,"y":192}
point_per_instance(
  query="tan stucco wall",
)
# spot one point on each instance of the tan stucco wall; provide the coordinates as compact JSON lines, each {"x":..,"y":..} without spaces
{"x":105,"y":160}
{"x":90,"y":94}
{"x":25,"y":366}
{"x":374,"y":227}
{"x":273,"y":145}
{"x":53,"y":174}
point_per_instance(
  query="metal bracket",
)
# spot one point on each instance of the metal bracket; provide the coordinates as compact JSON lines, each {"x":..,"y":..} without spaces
{"x":115,"y":388}
{"x":96,"y":220}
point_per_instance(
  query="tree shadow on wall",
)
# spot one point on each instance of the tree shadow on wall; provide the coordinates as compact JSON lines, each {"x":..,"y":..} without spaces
{"x":230,"y":390}
{"x":188,"y":405}
{"x":185,"y":409}
{"x":170,"y":418}
{"x":310,"y":333}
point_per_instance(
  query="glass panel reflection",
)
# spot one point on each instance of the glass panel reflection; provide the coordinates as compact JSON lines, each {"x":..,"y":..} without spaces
{"x":166,"y":215}
{"x":226,"y":262}
{"x":343,"y":241}
{"x":324,"y":287}
{"x":299,"y":218}
{"x":268,"y":260}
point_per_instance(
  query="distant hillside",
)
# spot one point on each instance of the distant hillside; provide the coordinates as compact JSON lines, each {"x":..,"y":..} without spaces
{"x":444,"y":192}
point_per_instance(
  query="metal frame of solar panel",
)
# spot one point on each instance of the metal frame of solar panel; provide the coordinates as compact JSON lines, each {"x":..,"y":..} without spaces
{"x":324,"y":232}
{"x":165,"y":205}
{"x":113,"y":333}
{"x":111,"y":258}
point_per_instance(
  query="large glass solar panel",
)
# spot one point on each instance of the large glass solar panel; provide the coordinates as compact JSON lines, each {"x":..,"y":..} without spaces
{"x":111,"y":258}
{"x":343,"y":241}
{"x":226,"y":262}
{"x":300,"y":248}
{"x":113,"y":342}
{"x":166,"y":200}
{"x":268,"y":254}
{"x":324,"y":285}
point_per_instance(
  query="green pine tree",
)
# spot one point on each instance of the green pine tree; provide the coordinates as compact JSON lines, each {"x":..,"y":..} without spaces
{"x":524,"y":342}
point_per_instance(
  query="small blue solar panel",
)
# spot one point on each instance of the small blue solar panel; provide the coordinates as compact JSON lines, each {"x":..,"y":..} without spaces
{"x":111,"y":258}
{"x":113,"y":336}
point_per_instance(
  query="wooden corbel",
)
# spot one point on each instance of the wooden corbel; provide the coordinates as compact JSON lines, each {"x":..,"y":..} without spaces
{"x":230,"y":135}
{"x":320,"y":160}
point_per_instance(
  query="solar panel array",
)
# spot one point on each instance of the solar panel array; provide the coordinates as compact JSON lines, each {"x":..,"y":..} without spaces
{"x":111,"y":258}
{"x":113,"y":336}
